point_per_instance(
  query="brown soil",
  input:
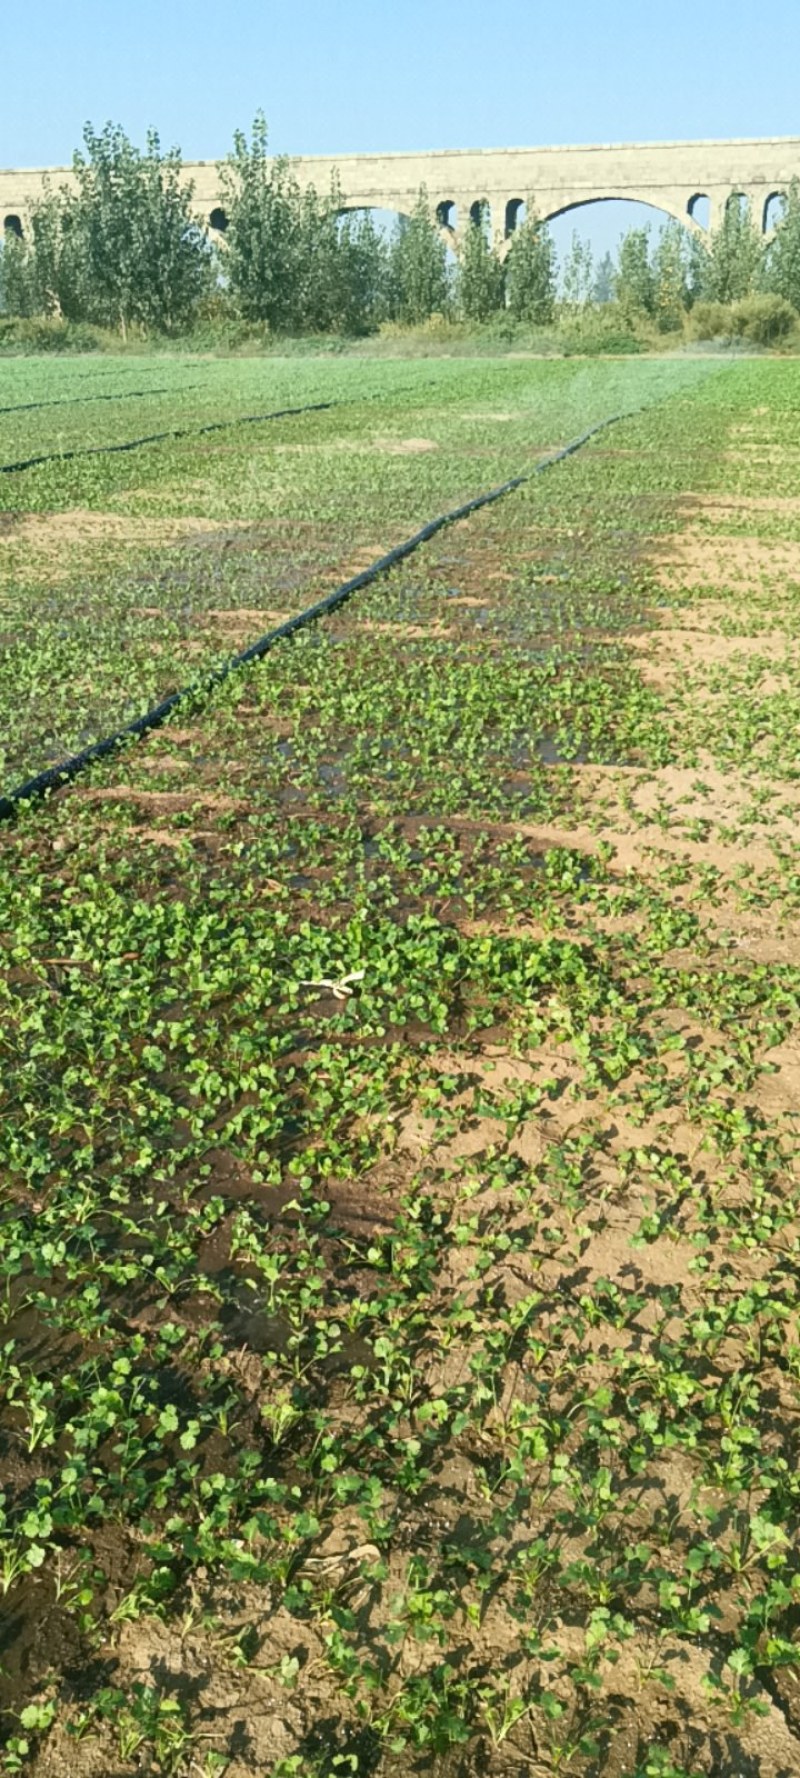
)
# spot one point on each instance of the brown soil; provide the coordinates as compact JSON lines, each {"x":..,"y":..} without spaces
{"x":47,"y":536}
{"x":721,"y":506}
{"x":162,"y":801}
{"x":695,"y":646}
{"x":741,"y":563}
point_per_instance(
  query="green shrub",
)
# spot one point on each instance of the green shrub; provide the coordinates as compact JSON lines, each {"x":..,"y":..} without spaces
{"x":764,"y":319}
{"x":761,"y":320}
{"x":43,"y":333}
{"x":608,"y":327}
{"x":711,"y":321}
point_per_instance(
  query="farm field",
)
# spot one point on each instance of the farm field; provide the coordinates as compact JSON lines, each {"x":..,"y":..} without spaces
{"x":122,"y":573}
{"x":400,"y":1362}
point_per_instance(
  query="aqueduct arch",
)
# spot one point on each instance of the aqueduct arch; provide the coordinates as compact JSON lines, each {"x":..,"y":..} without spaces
{"x":670,"y":176}
{"x":677,"y":214}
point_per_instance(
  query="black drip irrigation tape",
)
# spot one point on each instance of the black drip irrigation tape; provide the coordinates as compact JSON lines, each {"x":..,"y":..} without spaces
{"x":56,"y":776}
{"x":135,"y":444}
{"x":27,"y":407}
{"x":175,"y":432}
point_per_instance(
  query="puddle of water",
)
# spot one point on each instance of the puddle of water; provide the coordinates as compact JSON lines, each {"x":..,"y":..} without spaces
{"x":551,"y":751}
{"x":334,"y":779}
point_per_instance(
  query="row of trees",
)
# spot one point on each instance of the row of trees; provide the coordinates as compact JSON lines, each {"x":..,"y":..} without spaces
{"x":123,"y":248}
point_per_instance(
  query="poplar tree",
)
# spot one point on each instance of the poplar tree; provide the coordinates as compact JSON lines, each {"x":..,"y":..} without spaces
{"x":670,"y":273}
{"x":120,"y":246}
{"x":480,"y":279}
{"x":419,"y":285}
{"x":362,"y":275}
{"x":313,"y":300}
{"x":262,"y":201}
{"x":340,"y":270}
{"x":578,"y":274}
{"x":55,"y":259}
{"x":782,"y":263}
{"x":604,"y":281}
{"x":531,"y":273}
{"x":294,"y":261}
{"x":734,"y":257}
{"x":19,"y":293}
{"x":633,"y":284}
{"x":123,"y":246}
{"x":34,"y":271}
{"x":696,"y":268}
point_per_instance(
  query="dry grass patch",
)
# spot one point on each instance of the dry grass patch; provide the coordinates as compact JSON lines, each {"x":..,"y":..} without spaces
{"x":39,"y":543}
{"x":694,"y":558}
{"x":725,"y":506}
{"x":405,"y":447}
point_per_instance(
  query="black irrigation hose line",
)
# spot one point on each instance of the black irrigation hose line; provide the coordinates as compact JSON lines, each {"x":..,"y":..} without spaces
{"x":27,"y":407}
{"x":135,"y":444}
{"x":54,"y":777}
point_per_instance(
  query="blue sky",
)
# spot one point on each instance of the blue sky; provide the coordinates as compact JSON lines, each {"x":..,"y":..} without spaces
{"x":348,"y":75}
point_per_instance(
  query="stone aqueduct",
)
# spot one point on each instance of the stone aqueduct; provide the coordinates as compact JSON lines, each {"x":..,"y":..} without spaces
{"x":682,"y":179}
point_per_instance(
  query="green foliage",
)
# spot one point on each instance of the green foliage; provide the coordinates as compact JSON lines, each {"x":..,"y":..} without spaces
{"x":19,"y":290}
{"x":782,"y":262}
{"x":480,"y":282}
{"x":42,"y":275}
{"x":603,"y":289}
{"x":360,"y":276}
{"x":734,"y":256}
{"x":658,"y":1763}
{"x":263,"y":204}
{"x":292,"y":263}
{"x":50,"y":333}
{"x":711,"y":321}
{"x":662,"y":282}
{"x":671,"y":277}
{"x":124,"y":251}
{"x":764,"y":320}
{"x":577,"y":278}
{"x":531,"y":273}
{"x":418,"y":280}
{"x":602,"y":327}
{"x":696,"y":268}
{"x":634,"y":284}
{"x":124,"y":248}
{"x":57,"y":258}
{"x":655,"y":281}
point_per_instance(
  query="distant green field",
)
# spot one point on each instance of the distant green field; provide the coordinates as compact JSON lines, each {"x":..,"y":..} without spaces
{"x":112,"y":563}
